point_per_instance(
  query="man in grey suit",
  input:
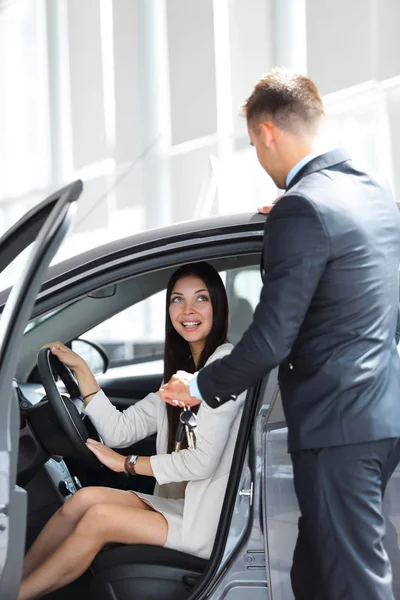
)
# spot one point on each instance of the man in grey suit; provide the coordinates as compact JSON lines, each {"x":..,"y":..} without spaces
{"x":327,"y":315}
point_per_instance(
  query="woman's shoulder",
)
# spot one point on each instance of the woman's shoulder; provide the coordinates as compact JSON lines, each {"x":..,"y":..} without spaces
{"x":220,"y":352}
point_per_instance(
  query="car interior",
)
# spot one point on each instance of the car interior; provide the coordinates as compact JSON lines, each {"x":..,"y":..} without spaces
{"x":51,"y":462}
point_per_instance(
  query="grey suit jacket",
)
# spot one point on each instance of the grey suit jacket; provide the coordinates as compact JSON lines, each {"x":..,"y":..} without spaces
{"x":328,"y":310}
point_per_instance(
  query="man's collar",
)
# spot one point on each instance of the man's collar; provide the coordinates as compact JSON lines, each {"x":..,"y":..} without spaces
{"x":317,"y":163}
{"x":299,"y":165}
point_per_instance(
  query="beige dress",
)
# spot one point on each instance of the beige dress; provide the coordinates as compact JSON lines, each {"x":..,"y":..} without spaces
{"x":191,"y":483}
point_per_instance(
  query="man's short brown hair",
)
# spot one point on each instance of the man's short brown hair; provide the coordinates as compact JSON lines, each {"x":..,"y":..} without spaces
{"x":290,"y":100}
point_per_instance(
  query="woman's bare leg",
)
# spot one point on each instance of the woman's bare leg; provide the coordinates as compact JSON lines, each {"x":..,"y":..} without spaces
{"x":101,"y":524}
{"x":64,"y":521}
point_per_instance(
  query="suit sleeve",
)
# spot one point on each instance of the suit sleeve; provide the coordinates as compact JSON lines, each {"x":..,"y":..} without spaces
{"x":296,"y":251}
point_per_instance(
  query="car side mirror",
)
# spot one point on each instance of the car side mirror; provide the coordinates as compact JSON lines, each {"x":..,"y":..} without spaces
{"x":94,"y":355}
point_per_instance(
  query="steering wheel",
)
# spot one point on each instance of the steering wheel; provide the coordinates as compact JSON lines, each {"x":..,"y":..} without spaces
{"x":67,"y":410}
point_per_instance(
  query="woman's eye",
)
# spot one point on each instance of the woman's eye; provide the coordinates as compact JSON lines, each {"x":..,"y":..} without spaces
{"x":202,"y":298}
{"x":175,"y":300}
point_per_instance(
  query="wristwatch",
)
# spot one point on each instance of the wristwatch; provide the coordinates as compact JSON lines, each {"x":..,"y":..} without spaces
{"x":130,"y":462}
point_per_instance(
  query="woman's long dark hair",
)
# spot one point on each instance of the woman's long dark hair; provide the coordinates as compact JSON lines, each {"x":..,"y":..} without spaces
{"x":177,"y":354}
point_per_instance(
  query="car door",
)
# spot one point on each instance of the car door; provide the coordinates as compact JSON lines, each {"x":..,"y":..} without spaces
{"x":281,"y":511}
{"x":280,"y":508}
{"x":44,"y":227}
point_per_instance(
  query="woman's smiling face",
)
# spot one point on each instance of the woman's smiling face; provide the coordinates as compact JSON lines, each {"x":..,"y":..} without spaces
{"x":191,"y":312}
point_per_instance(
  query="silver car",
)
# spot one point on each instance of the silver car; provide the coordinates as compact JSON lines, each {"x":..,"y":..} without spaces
{"x":43,"y":458}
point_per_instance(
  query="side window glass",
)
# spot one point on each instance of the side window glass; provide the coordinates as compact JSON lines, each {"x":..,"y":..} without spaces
{"x":243,"y":288}
{"x":247,"y":284}
{"x":134,"y":336}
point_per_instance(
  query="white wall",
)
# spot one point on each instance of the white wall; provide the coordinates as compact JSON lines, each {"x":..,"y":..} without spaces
{"x":144,"y":96}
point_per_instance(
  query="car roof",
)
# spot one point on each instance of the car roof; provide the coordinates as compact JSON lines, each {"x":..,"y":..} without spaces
{"x":186,"y":229}
{"x":215,"y":227}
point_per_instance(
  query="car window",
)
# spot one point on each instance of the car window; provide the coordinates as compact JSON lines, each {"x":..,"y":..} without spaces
{"x":247,"y":284}
{"x":136,"y":334}
{"x":243,"y":288}
{"x":11,"y":273}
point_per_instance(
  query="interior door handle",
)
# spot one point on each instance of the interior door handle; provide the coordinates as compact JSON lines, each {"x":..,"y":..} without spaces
{"x":189,"y":581}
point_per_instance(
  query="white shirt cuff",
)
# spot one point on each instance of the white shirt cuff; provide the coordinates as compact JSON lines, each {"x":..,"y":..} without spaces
{"x":194,"y":388}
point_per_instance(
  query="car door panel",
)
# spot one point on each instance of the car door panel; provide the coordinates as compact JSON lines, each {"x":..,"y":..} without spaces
{"x":27,"y":229}
{"x":52,"y":225}
{"x":125,"y":391}
{"x":283,"y":511}
{"x":15,"y":525}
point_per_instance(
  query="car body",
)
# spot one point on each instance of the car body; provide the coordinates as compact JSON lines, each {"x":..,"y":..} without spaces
{"x":258,"y":525}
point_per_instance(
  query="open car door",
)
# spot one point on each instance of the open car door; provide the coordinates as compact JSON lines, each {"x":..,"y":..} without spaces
{"x":44,"y":227}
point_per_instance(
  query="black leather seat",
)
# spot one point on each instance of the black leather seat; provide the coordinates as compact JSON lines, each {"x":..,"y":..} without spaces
{"x":143,"y":572}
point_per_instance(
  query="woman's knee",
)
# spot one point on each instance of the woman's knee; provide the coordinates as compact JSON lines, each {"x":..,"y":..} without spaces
{"x":95,"y":521}
{"x":76,"y":506}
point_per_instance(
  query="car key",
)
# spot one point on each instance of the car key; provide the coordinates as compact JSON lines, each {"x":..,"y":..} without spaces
{"x":188,"y":418}
{"x":189,"y":438}
{"x":181,"y":430}
{"x":179,"y":436}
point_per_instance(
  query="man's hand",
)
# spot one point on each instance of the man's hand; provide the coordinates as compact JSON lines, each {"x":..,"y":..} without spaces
{"x":176,"y":391}
{"x":264,"y":210}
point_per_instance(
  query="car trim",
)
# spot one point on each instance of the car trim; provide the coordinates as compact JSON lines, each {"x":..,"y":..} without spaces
{"x":76,"y":285}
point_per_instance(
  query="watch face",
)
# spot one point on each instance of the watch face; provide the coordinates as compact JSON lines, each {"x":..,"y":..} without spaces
{"x":133,"y":459}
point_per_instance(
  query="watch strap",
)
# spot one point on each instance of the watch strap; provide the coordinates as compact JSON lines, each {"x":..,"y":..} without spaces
{"x":130,"y":465}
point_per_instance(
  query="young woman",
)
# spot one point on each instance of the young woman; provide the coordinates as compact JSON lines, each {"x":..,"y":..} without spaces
{"x":184,"y":511}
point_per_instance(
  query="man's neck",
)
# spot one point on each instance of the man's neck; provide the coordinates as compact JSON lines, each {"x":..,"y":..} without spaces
{"x":296,"y":149}
{"x":295,"y":154}
{"x":299,"y":167}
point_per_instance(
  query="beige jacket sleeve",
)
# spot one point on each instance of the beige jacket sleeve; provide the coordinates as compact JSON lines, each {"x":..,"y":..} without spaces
{"x":121,"y":429}
{"x":213,"y":428}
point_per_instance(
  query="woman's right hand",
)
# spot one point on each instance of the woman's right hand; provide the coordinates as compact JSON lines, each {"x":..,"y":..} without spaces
{"x":67,"y":356}
{"x":87,"y":383}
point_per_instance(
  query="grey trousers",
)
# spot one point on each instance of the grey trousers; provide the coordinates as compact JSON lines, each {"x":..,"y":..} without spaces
{"x":339,"y":553}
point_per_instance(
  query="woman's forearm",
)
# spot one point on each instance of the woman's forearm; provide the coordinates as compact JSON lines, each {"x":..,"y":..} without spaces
{"x":87,"y":383}
{"x":143,"y":466}
{"x":115,"y":461}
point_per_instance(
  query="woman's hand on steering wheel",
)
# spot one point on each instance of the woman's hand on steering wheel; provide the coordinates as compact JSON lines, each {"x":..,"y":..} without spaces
{"x":86,"y":381}
{"x":67,"y":356}
{"x":108,"y":457}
